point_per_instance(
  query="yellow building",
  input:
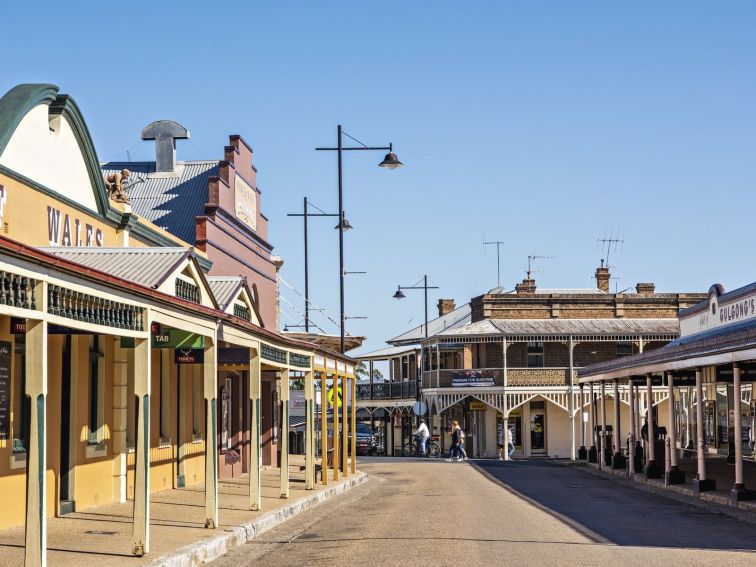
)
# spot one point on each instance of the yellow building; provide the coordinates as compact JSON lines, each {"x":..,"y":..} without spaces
{"x":112,"y":340}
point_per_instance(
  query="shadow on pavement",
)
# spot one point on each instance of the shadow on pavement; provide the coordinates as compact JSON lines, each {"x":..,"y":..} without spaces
{"x":609,"y":512}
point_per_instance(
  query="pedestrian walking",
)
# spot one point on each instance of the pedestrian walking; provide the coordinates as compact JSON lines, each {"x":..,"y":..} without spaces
{"x":454,"y":441}
{"x":510,"y":442}
{"x":462,"y":454}
{"x":500,"y":441}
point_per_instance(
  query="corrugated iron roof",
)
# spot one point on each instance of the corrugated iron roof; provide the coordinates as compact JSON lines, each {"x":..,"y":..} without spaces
{"x":567,"y":327}
{"x":385,"y":353}
{"x":224,"y":288}
{"x":741,"y":336}
{"x":144,"y":266}
{"x":460,"y":316}
{"x":170,"y":202}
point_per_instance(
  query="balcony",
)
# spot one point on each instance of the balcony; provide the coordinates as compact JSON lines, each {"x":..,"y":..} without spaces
{"x":486,"y":377}
{"x":387,"y":391}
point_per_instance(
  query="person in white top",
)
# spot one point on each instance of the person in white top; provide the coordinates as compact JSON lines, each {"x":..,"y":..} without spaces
{"x":423,"y":435}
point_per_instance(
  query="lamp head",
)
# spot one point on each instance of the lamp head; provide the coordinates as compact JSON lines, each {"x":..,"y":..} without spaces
{"x":399,"y":294}
{"x":344,"y":225}
{"x":390,"y":161}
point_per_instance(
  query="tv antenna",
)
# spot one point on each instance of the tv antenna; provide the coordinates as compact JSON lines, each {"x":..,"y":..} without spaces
{"x":498,"y":244}
{"x":531,"y":260}
{"x":608,"y":244}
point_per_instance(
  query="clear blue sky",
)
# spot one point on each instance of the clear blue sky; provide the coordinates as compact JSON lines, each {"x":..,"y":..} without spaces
{"x":542,"y":124}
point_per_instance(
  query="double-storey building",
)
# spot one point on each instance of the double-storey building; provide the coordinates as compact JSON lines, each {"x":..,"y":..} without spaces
{"x":514,"y":365}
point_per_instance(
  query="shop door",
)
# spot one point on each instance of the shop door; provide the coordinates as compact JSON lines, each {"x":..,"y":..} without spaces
{"x":537,"y":432}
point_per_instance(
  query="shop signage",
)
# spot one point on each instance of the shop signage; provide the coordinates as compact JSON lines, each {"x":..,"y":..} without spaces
{"x":475,"y":378}
{"x":477,"y":406}
{"x":17,"y":326}
{"x":245,"y":198}
{"x":189,"y":356}
{"x":720,"y":314}
{"x":64,"y":230}
{"x":176,"y":338}
{"x":5,"y":388}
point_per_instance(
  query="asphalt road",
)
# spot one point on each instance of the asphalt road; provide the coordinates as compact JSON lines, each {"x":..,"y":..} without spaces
{"x":419,"y":512}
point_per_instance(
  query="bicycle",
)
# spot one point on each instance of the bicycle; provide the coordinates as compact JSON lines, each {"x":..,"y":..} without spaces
{"x":412,"y":448}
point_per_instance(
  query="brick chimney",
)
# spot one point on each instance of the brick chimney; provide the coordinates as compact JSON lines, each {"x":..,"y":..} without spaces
{"x":602,"y":277}
{"x":645,"y":288}
{"x":528,"y":285}
{"x":445,"y":306}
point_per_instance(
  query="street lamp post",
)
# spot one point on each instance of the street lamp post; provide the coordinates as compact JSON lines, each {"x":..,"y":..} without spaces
{"x":305,"y":214}
{"x":426,"y":287}
{"x":389,"y":162}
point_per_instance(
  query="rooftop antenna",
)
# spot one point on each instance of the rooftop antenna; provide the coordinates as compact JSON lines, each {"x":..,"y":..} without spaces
{"x":498,"y":257}
{"x":531,"y":260}
{"x":613,"y":242}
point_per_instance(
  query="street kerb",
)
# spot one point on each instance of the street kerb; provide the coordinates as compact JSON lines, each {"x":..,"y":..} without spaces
{"x":232,"y":536}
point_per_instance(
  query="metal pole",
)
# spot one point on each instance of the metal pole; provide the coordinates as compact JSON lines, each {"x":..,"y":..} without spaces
{"x":700,"y":427}
{"x":631,"y":439}
{"x":739,"y":482}
{"x":306,"y":274}
{"x":602,"y":435}
{"x":341,"y":240}
{"x":571,"y":402}
{"x":425,"y":278}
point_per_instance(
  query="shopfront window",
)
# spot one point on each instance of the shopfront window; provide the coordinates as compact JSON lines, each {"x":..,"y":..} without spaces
{"x":21,"y":409}
{"x":96,"y":392}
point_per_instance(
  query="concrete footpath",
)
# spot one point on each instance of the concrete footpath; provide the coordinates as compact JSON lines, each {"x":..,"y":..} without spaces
{"x":102,"y":535}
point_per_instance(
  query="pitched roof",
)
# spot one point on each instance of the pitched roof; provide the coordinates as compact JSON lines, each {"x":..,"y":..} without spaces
{"x":530,"y":327}
{"x":225,"y":288}
{"x":385,"y":353}
{"x":144,"y":266}
{"x":460,"y":316}
{"x":170,"y":201}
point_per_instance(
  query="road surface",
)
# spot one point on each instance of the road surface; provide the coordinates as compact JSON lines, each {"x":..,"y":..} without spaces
{"x":422,"y":512}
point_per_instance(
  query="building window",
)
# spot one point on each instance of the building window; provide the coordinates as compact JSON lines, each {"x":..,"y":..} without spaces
{"x":130,"y":401}
{"x":96,"y":392}
{"x":198,"y":399}
{"x":624,"y":348}
{"x":21,"y":409}
{"x":165,"y":395}
{"x":535,"y":355}
{"x":405,"y":368}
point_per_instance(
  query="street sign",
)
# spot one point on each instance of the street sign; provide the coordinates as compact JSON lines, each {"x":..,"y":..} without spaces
{"x":419,"y":408}
{"x":330,"y":396}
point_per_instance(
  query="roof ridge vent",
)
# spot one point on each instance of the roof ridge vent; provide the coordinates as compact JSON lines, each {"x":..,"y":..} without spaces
{"x":165,"y":133}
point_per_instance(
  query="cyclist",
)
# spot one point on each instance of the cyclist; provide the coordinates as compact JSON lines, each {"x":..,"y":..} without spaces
{"x":423,"y":435}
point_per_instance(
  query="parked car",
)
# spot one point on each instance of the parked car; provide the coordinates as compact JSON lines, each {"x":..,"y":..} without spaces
{"x":366,"y":444}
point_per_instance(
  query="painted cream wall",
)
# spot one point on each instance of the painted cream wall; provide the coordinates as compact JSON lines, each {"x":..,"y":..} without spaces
{"x":47,"y":152}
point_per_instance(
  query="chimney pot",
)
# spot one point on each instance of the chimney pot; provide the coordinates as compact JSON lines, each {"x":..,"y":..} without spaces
{"x":645,"y":288}
{"x":445,"y":306}
{"x":602,"y":277}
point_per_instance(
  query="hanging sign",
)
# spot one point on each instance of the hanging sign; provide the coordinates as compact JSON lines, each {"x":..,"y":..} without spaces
{"x":5,"y":388}
{"x":472,"y":378}
{"x":189,"y":356}
{"x":17,"y":326}
{"x":477,"y":406}
{"x":176,"y":338}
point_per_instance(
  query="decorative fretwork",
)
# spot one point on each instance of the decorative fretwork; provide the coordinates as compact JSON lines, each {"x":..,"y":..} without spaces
{"x":537,"y":377}
{"x":187,"y":291}
{"x":300,"y":360}
{"x":242,"y":311}
{"x":87,"y":308}
{"x":273,"y":354}
{"x":17,"y":291}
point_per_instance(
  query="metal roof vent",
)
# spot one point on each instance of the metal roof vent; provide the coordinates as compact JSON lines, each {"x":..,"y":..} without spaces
{"x":165,"y":133}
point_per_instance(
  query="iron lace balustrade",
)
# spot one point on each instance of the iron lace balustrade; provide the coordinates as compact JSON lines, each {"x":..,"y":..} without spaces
{"x":299,"y":360}
{"x":17,"y":291}
{"x":273,"y":354}
{"x":386,"y":391}
{"x":187,"y":291}
{"x":88,"y":308}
